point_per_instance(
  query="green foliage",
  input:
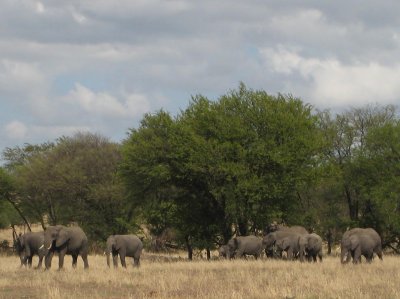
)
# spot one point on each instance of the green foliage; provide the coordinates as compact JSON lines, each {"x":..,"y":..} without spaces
{"x":8,"y":215}
{"x":236,"y":162}
{"x":73,"y":180}
{"x":218,"y":168}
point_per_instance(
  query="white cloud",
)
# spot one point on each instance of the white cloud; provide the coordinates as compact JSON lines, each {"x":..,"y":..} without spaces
{"x":16,"y":130}
{"x":19,"y":131}
{"x":20,"y":77}
{"x":40,"y":7}
{"x":104,"y":104}
{"x":335,"y":84}
{"x":130,"y":57}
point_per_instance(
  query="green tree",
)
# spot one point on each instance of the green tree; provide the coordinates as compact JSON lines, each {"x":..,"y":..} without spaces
{"x":74,"y":180}
{"x":378,"y":172}
{"x":239,"y":161}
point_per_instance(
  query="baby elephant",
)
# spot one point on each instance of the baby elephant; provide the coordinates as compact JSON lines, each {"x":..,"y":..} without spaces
{"x":244,"y":245}
{"x":124,"y":245}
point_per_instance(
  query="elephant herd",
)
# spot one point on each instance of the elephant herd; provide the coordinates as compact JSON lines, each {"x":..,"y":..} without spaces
{"x":72,"y":241}
{"x":298,"y":243}
{"x":295,"y":241}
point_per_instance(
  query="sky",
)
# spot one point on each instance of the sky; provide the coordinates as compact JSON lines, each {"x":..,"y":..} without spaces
{"x":100,"y":65}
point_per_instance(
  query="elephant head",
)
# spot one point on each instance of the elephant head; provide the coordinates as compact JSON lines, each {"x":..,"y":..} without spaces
{"x":231,"y":247}
{"x":222,"y":251}
{"x":19,"y":245}
{"x":348,"y":246}
{"x":269,"y":240}
{"x":112,"y":246}
{"x":55,"y":237}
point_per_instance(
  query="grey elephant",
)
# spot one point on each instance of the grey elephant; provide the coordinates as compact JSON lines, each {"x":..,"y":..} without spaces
{"x":124,"y":245}
{"x":283,"y":240}
{"x":65,"y":240}
{"x":310,"y":246}
{"x":28,"y":245}
{"x":273,"y":227}
{"x":359,"y":242}
{"x":244,"y":245}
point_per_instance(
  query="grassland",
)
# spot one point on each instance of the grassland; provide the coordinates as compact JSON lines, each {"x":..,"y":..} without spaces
{"x":203,"y":279}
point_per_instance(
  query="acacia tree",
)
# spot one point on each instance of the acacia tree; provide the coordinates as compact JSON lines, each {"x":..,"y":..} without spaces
{"x":10,"y":212}
{"x":378,"y":174}
{"x":74,"y":180}
{"x":238,"y":161}
{"x":340,"y":196}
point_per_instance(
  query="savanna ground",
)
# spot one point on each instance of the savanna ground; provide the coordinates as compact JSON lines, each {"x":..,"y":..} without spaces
{"x":174,"y":278}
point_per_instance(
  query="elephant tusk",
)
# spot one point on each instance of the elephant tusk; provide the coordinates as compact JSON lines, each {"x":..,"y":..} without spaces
{"x":41,"y":246}
{"x":49,"y":247}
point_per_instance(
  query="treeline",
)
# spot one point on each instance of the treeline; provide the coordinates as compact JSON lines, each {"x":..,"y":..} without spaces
{"x":218,"y":168}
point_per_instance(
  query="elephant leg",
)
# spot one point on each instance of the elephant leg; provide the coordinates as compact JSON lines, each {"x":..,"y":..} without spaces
{"x":239,"y":253}
{"x":357,"y":256}
{"x":379,"y":253}
{"x":30,"y":261}
{"x":74,"y":260}
{"x":84,"y":257}
{"x":61,"y":256}
{"x":369,"y":259}
{"x":24,"y":261}
{"x":136,"y":262}
{"x":48,"y":259}
{"x":122,"y":258}
{"x":115,"y":260}
{"x":40,"y":262}
{"x":349,"y":256}
{"x":290,"y":255}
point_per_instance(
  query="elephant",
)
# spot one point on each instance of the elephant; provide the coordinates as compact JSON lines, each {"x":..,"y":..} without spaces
{"x":279,"y":227}
{"x":244,"y":245}
{"x":359,"y":242}
{"x":310,"y":245}
{"x":124,"y":245}
{"x":283,"y":240}
{"x":65,"y":240}
{"x":222,"y":251}
{"x":28,"y":245}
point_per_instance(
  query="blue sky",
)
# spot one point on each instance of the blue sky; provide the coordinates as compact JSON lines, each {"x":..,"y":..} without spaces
{"x":99,"y":65}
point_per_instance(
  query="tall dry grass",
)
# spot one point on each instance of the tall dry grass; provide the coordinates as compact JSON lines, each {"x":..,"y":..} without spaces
{"x":203,"y":279}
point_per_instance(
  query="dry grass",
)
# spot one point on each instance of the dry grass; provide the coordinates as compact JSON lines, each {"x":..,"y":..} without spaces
{"x":202,"y":279}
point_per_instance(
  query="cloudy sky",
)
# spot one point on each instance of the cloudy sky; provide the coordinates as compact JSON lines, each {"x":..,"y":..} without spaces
{"x":99,"y":65}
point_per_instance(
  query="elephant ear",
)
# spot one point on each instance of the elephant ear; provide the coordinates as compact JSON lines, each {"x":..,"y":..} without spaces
{"x":21,"y":241}
{"x":353,"y":243}
{"x":62,"y":238}
{"x":117,"y":243}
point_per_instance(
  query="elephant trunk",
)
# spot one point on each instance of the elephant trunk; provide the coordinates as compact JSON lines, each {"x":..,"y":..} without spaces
{"x":108,"y":259}
{"x":108,"y":252}
{"x":343,"y":254}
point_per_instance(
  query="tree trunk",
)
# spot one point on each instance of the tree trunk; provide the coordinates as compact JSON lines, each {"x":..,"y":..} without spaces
{"x":208,"y":254}
{"x":242,"y":226}
{"x":329,"y":238}
{"x":352,"y":204}
{"x":189,"y":248}
{"x":19,"y":212}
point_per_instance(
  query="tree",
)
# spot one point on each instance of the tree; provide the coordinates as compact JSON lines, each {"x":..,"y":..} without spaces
{"x":239,"y":161}
{"x":378,"y":172}
{"x":74,"y":180}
